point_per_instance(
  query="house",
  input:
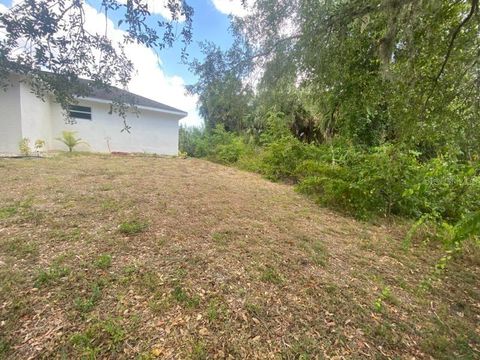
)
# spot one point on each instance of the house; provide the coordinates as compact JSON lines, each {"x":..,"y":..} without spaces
{"x":154,"y":126}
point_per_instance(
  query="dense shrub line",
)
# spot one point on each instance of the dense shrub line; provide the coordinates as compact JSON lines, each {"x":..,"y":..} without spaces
{"x":363,"y":182}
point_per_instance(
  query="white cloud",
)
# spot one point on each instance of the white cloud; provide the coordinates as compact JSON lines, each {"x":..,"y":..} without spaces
{"x":149,"y":79}
{"x":232,"y":7}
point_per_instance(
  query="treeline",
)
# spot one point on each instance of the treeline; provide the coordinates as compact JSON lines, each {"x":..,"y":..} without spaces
{"x":370,"y":107}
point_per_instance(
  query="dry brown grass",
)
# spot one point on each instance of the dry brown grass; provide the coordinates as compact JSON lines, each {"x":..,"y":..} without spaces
{"x":143,"y":257}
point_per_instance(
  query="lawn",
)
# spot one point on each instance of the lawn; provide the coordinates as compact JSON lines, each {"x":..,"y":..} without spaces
{"x":145,"y":257}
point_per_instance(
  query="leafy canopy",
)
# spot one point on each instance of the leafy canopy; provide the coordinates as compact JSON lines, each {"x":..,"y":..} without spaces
{"x":377,"y":71}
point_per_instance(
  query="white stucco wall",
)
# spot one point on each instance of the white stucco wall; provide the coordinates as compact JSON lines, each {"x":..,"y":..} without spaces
{"x":36,"y":116}
{"x":10,"y":123}
{"x":22,"y":114}
{"x":151,"y":132}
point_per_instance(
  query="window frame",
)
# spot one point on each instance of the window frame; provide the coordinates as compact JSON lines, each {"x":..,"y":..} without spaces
{"x":80,"y":112}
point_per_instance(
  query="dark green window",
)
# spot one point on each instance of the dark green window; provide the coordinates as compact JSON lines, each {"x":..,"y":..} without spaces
{"x":80,"y":112}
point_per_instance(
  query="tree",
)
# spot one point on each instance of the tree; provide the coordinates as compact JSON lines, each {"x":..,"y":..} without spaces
{"x":379,"y":70}
{"x":52,"y":35}
{"x":374,"y":71}
{"x":224,"y":98}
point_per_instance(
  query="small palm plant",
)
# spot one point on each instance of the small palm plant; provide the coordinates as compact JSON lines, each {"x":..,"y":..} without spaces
{"x":24,"y":146}
{"x":70,"y":140}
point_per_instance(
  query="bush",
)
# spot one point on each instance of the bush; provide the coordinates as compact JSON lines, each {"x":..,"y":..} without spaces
{"x":443,"y":188}
{"x":387,"y":180}
{"x":363,"y":182}
{"x":24,"y":146}
{"x":230,"y":153}
{"x":281,"y":158}
{"x":188,"y":140}
{"x":70,"y":140}
{"x":282,"y":151}
{"x":216,"y":144}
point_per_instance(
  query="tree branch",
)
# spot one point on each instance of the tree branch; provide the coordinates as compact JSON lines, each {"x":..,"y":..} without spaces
{"x":473,"y":9}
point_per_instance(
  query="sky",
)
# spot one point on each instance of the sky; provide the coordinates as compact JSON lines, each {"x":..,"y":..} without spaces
{"x":161,"y":76}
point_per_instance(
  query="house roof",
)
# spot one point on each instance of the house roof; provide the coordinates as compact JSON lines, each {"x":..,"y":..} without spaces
{"x":112,"y":93}
{"x":96,"y":92}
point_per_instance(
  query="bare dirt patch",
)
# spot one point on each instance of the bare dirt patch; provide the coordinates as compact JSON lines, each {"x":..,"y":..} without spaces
{"x":142,"y":257}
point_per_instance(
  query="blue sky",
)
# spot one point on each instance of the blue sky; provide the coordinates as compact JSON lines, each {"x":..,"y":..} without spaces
{"x":161,"y":76}
{"x":208,"y":24}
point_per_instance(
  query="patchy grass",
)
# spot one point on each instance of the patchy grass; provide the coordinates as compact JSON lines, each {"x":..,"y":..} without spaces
{"x":84,"y":305}
{"x":98,"y":339}
{"x":150,"y":257}
{"x":19,"y":248}
{"x":215,"y":310}
{"x":17,"y":207}
{"x":132,"y":227}
{"x":51,"y":274}
{"x":220,"y":238}
{"x":8,"y":211}
{"x":271,"y":275}
{"x":182,"y":297}
{"x":199,"y":352}
{"x":104,"y":261}
{"x":315,"y":250}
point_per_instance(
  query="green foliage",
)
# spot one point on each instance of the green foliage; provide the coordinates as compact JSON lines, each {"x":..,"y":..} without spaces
{"x":280,"y":158}
{"x":216,"y":144}
{"x":181,"y":296}
{"x":189,"y":138}
{"x":98,"y":337}
{"x":132,"y":227}
{"x":467,"y":227}
{"x":70,"y":140}
{"x":52,"y":274}
{"x":223,"y":97}
{"x":281,"y":149}
{"x":384,"y":122}
{"x":385,"y":295}
{"x":388,"y":180}
{"x":86,"y":305}
{"x":24,"y":146}
{"x":389,"y":72}
{"x":104,"y":261}
{"x":364,"y":182}
{"x":271,"y":275}
{"x":444,"y":188}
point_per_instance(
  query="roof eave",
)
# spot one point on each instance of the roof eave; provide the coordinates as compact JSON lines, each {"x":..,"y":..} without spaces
{"x":180,"y":113}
